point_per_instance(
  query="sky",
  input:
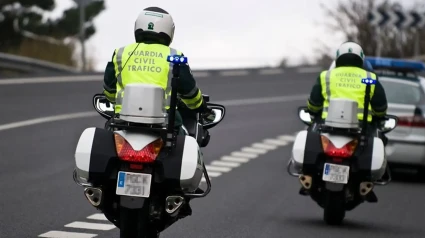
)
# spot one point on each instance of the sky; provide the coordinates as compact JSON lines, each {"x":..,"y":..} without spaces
{"x":220,"y":33}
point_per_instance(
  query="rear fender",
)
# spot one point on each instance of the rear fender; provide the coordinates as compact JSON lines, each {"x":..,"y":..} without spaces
{"x":138,"y":140}
{"x":337,"y":140}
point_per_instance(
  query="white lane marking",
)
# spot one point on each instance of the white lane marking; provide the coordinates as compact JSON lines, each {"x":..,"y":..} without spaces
{"x":254,"y":150}
{"x":91,"y":226}
{"x":275,"y":142}
{"x":310,"y":70}
{"x":218,"y":169}
{"x":47,"y":119}
{"x":98,"y":216}
{"x":235,"y":159}
{"x":62,"y":79}
{"x":287,"y":137}
{"x":244,"y":155}
{"x":200,"y":74}
{"x":270,"y":71}
{"x":264,"y":146}
{"x":66,"y":234}
{"x":224,"y":163}
{"x":234,"y":73}
{"x":238,"y":102}
{"x":213,"y":174}
{"x":254,"y":101}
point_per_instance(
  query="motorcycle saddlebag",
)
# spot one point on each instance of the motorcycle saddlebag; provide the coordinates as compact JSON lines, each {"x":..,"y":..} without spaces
{"x":313,"y":149}
{"x":95,"y":155}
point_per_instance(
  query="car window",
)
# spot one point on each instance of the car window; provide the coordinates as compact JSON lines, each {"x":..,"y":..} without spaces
{"x":401,"y":91}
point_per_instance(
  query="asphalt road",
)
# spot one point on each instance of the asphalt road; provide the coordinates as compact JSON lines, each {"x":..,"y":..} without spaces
{"x":257,"y":199}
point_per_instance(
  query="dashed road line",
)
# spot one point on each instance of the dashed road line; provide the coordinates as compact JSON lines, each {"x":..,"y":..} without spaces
{"x":235,"y":73}
{"x":215,"y":169}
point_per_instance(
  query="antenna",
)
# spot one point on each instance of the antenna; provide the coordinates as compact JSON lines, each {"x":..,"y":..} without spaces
{"x":177,"y":60}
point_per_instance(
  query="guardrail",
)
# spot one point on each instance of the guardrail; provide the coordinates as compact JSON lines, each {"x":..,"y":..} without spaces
{"x":27,"y":65}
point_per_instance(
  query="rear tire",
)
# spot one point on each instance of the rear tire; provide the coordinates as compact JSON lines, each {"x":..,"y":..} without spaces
{"x":134,"y":223}
{"x":334,"y":209}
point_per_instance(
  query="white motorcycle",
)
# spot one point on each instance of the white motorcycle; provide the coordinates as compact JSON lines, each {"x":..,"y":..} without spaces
{"x":138,"y":171}
{"x":338,"y":162}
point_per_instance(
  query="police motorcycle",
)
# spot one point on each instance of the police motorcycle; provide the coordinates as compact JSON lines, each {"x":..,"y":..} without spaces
{"x":138,"y":171}
{"x":337,"y":162}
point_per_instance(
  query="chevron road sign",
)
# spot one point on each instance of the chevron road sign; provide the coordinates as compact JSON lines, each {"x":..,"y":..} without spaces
{"x":397,"y":18}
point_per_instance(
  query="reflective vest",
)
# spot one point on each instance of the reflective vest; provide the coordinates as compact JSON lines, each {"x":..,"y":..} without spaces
{"x":143,"y":63}
{"x":345,"y":82}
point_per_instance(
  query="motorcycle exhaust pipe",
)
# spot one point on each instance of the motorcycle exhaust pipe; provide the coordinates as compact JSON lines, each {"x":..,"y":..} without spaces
{"x":305,"y":181}
{"x":365,"y":188}
{"x":94,"y":195}
{"x":173,"y":203}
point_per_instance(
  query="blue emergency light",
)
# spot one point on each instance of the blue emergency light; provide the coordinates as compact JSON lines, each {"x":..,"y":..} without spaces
{"x":396,"y":64}
{"x":368,"y":81}
{"x":177,"y":59}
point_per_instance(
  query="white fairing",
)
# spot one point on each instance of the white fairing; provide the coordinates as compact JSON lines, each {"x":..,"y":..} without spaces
{"x":192,"y":169}
{"x":298,"y":149}
{"x":143,"y":103}
{"x":342,"y":113}
{"x":137,"y":140}
{"x":379,"y":159}
{"x":83,"y":153}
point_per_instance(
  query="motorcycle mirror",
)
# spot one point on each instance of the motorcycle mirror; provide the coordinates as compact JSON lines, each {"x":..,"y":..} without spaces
{"x":219,"y":111}
{"x":304,"y":116}
{"x":103,"y":106}
{"x":390,"y":124}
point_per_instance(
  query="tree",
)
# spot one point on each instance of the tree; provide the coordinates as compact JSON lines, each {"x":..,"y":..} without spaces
{"x":17,"y":16}
{"x":351,"y":18}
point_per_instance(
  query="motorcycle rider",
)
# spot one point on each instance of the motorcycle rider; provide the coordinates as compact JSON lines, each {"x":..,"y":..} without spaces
{"x":344,"y":81}
{"x":145,"y":61}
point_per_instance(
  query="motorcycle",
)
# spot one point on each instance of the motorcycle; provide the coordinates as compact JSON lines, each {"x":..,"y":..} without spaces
{"x":337,"y":162}
{"x":139,"y":171}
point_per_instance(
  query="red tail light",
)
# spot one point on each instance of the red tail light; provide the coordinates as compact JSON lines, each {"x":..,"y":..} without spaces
{"x":344,"y":152}
{"x":127,"y":153}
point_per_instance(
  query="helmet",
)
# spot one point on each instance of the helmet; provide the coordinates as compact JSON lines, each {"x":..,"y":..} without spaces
{"x":350,"y":54}
{"x":154,"y":23}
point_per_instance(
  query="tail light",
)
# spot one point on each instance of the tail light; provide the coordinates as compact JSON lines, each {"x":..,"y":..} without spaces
{"x":146,"y":155}
{"x":343,"y":152}
{"x":417,"y":120}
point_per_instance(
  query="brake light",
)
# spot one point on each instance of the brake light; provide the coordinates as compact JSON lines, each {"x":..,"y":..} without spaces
{"x":127,"y":153}
{"x":343,"y":152}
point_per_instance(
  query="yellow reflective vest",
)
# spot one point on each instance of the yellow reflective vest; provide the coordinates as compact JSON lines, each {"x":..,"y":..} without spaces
{"x":346,"y":82}
{"x":142,"y":63}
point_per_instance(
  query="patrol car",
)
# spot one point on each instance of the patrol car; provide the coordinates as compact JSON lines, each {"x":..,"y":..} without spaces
{"x":405,"y":90}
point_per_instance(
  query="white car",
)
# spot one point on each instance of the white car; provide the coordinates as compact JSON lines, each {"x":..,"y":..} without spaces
{"x":405,"y":91}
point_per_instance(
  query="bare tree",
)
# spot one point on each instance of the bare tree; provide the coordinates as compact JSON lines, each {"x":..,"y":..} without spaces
{"x":351,"y":18}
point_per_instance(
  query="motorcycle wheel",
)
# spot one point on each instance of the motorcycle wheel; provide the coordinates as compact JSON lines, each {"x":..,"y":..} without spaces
{"x":134,"y":223}
{"x":334,"y":209}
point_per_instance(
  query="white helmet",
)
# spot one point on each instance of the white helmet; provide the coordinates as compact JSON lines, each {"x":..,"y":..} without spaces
{"x":350,"y":48}
{"x":155,"y":20}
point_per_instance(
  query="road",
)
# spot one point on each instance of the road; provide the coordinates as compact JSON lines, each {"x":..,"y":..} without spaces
{"x":256,"y":198}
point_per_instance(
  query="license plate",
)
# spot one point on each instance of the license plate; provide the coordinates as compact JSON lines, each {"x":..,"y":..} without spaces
{"x":336,"y":173}
{"x":133,"y":184}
